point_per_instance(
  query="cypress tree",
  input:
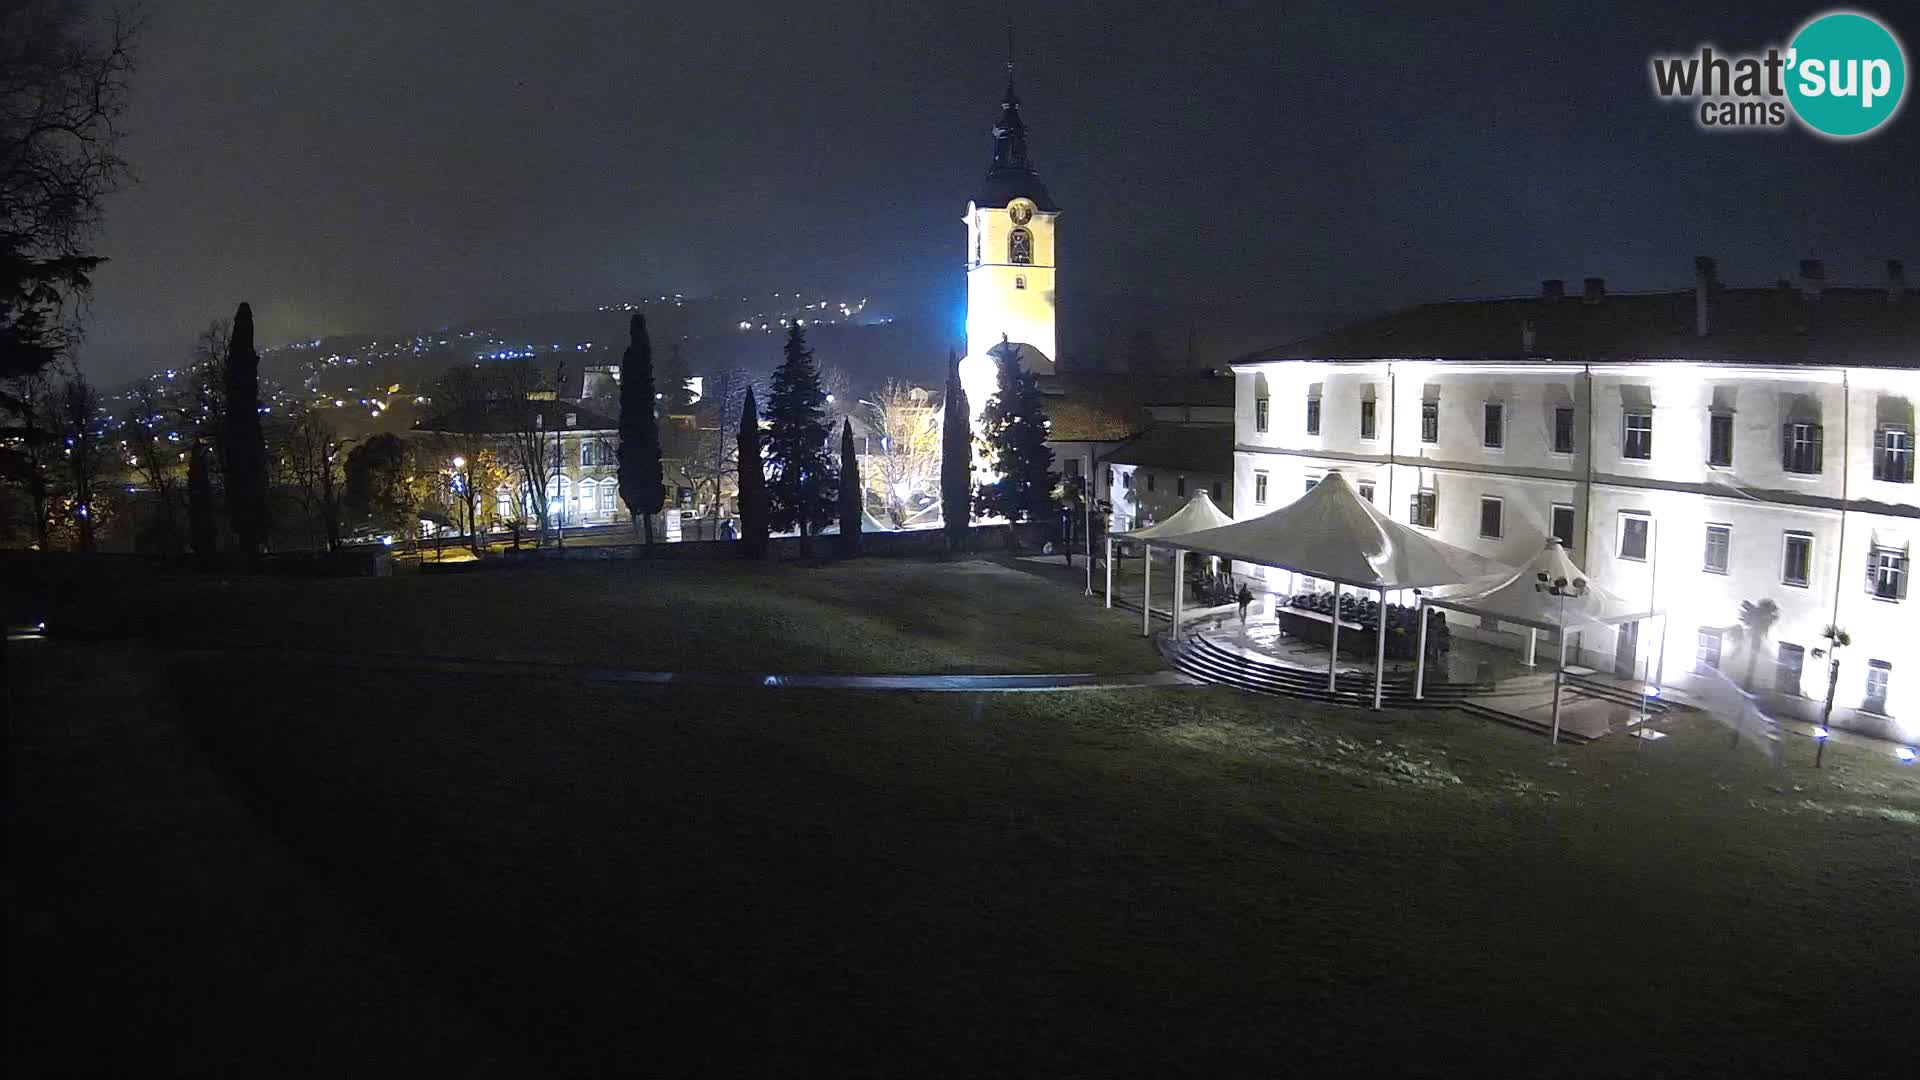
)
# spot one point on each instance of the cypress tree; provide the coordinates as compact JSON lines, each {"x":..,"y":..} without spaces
{"x":1015,"y":420}
{"x":200,"y":504}
{"x":640,"y":483}
{"x":753,"y":482}
{"x":850,"y":501}
{"x":245,"y":447}
{"x":800,"y":484}
{"x":956,"y":458}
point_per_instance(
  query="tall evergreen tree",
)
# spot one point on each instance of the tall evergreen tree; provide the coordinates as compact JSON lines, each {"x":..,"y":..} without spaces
{"x":640,"y":484}
{"x":800,"y":481}
{"x":244,"y":444}
{"x":851,"y":502}
{"x":956,"y":458}
{"x":753,"y":481}
{"x":1015,"y":420}
{"x":200,"y":528}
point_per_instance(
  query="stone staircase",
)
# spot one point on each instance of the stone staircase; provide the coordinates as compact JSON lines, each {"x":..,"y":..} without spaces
{"x":1195,"y":655}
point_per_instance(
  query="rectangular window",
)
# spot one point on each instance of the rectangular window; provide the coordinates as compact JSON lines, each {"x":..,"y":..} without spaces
{"x":1796,"y":560}
{"x":1149,"y":481}
{"x":1719,"y":542}
{"x":1493,"y":425}
{"x":1429,"y":421}
{"x":1260,"y":414}
{"x":1786,"y":668}
{"x":1424,"y":508}
{"x":586,"y":453}
{"x":1259,"y":489}
{"x":1637,"y":438}
{"x":1070,"y":467}
{"x":1180,"y":486}
{"x":1563,"y":429}
{"x":1720,"y":439}
{"x":1369,"y":425}
{"x":1491,"y":511}
{"x":1706,"y":650}
{"x":1366,"y":491}
{"x":1633,"y":536}
{"x":1893,"y":455}
{"x":1879,"y":674}
{"x":1313,"y":416}
{"x":607,"y":492}
{"x":1126,"y":481}
{"x":1563,"y":526}
{"x":1800,"y":449}
{"x":1312,"y":480}
{"x":1887,"y":573}
{"x":1216,"y":491}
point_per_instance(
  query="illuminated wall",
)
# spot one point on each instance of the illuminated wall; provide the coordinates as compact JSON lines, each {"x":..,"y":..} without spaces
{"x":1842,"y":510}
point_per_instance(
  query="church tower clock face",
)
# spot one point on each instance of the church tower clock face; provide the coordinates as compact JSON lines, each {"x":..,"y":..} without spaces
{"x":1021,"y":211}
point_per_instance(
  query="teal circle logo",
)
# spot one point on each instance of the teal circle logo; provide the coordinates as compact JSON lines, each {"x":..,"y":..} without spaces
{"x":1846,"y":74}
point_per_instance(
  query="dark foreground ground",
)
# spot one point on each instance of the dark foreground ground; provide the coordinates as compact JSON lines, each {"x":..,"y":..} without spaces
{"x":252,"y":864}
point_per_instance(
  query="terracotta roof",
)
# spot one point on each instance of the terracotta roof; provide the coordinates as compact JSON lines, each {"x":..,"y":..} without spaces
{"x":1195,"y":447}
{"x":500,"y":416}
{"x":1780,"y":325}
{"x":1090,"y":407}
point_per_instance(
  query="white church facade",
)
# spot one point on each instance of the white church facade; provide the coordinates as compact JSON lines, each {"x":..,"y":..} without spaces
{"x":1699,"y":449}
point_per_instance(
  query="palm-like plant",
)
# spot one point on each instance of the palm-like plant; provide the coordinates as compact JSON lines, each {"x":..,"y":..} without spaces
{"x":1836,"y":639}
{"x":1756,"y":620}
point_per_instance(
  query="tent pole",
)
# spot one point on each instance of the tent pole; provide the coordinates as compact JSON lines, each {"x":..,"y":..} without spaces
{"x":1333,"y":650}
{"x":1380,"y":651}
{"x":1660,"y":669}
{"x":1146,"y":592}
{"x":1109,"y":570}
{"x":1559,"y":678}
{"x":1533,"y":644}
{"x":1420,"y":661}
{"x":1179,"y":588}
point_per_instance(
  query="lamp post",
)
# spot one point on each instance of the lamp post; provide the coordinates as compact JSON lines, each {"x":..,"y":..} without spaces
{"x":1562,"y":588}
{"x":465,"y":487}
{"x":1837,"y":639}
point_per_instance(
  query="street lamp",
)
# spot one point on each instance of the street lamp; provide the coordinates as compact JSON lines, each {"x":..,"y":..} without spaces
{"x":1562,"y":588}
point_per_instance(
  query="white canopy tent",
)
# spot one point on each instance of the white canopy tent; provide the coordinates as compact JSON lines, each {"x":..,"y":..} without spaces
{"x":1198,"y":514}
{"x":1525,"y":597}
{"x":868,"y":524}
{"x":1332,"y":533}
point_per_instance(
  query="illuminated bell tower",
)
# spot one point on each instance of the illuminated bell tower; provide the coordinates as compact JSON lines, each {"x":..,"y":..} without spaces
{"x":1010,"y":260}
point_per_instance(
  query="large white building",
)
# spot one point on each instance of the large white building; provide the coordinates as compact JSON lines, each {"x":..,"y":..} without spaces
{"x":1700,"y":449}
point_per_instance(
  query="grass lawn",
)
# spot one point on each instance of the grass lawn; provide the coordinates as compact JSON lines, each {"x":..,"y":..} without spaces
{"x":1190,"y":881}
{"x":872,"y":616}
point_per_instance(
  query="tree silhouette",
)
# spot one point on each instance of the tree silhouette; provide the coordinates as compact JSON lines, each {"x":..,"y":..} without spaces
{"x":244,"y":444}
{"x":956,"y":458}
{"x":851,"y":502}
{"x":640,"y":484}
{"x":753,"y":481}
{"x":1015,"y":423}
{"x":800,"y":480}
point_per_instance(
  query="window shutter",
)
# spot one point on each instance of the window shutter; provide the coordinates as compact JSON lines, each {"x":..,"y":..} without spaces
{"x":1786,"y":447}
{"x":1816,"y":448}
{"x":1413,"y":508}
{"x":1873,"y":570}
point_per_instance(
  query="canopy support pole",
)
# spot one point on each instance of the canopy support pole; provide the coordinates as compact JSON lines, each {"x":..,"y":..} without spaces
{"x":1660,"y":669}
{"x":1420,"y":661}
{"x":1179,"y":588}
{"x":1380,"y":651}
{"x":1109,"y":570}
{"x":1533,"y":644}
{"x":1559,"y":679}
{"x":1146,"y":592}
{"x":1333,"y":649}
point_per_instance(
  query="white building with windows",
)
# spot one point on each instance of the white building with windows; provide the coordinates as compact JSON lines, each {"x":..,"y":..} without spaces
{"x":1699,"y":449}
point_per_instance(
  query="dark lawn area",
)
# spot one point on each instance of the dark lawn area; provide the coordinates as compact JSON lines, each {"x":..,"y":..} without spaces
{"x":606,"y":879}
{"x":874,"y":616}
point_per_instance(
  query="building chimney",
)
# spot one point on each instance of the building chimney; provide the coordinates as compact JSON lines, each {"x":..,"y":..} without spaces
{"x":1706,"y":282}
{"x":1896,"y":279}
{"x":1526,"y":337}
{"x":1596,"y":290}
{"x":1553,"y":288}
{"x":1813,"y":277}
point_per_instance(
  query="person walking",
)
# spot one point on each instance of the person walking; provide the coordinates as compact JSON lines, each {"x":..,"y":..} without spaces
{"x":1245,"y":599}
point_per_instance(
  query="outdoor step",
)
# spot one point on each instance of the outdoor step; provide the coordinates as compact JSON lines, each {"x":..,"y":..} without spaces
{"x":1616,"y":694}
{"x":1567,"y":735}
{"x":1214,"y":665}
{"x":1395,"y":685}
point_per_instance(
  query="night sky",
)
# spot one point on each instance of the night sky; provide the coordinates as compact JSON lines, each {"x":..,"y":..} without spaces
{"x":349,"y":168}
